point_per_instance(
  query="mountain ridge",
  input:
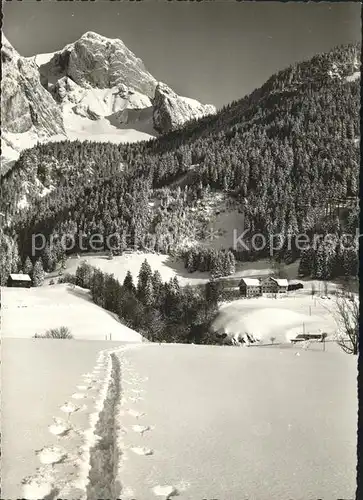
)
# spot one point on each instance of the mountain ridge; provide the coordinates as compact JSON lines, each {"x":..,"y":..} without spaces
{"x":76,"y":83}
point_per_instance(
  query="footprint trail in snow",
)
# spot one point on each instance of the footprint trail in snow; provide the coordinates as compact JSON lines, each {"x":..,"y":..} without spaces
{"x":59,"y":428}
{"x":165,"y":491}
{"x":51,"y":455}
{"x":139,"y":450}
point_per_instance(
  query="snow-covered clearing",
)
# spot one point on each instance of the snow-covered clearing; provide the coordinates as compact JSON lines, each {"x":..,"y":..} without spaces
{"x":225,"y":222}
{"x":282,"y":318}
{"x":25,"y":312}
{"x":192,"y":421}
{"x":168,"y":266}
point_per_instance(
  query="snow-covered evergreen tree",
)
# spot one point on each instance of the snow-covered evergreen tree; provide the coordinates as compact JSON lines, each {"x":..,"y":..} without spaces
{"x":38,"y":273}
{"x":28,"y":266}
{"x":128,"y":283}
{"x":144,"y":284}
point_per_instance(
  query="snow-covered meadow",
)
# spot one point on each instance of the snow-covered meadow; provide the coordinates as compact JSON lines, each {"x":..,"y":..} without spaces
{"x":26,"y":312}
{"x":282,"y":318}
{"x":192,"y":421}
{"x":168,"y":266}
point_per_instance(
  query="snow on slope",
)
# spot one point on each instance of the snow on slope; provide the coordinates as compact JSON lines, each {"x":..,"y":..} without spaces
{"x":116,"y":114}
{"x":25,"y":312}
{"x":41,"y":59}
{"x":252,"y":423}
{"x":101,"y":130}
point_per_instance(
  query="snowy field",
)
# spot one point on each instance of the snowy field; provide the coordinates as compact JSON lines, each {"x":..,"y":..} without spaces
{"x":192,"y":421}
{"x":168,"y":266}
{"x":282,"y":318}
{"x":25,"y":312}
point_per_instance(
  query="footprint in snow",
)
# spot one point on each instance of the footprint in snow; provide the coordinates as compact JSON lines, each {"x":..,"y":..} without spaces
{"x":142,"y":451}
{"x":141,"y":428}
{"x":90,"y":382}
{"x":51,"y":455}
{"x":165,"y":491}
{"x":134,"y":413}
{"x":59,"y":428}
{"x":83,"y":387}
{"x":37,"y":487}
{"x":135,"y":400}
{"x":70,"y":408}
{"x":78,"y":395}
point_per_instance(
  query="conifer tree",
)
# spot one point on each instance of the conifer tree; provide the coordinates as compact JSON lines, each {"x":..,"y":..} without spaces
{"x":144,"y":280}
{"x":15,"y":259}
{"x":128,"y":283}
{"x":48,"y":258}
{"x":28,"y":266}
{"x":38,"y":273}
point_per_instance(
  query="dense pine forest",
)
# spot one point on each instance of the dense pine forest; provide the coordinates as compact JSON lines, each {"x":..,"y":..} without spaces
{"x":160,"y":311}
{"x":283,"y":154}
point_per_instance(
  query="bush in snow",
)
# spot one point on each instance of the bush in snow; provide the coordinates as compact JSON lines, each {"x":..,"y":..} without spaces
{"x":62,"y":332}
{"x":347,"y":318}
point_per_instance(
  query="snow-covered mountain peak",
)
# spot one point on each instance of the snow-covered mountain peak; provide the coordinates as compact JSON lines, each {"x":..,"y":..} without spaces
{"x":94,"y":88}
{"x":94,"y":61}
{"x":92,"y":35}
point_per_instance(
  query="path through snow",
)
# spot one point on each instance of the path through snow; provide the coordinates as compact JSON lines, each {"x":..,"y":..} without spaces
{"x":212,"y":422}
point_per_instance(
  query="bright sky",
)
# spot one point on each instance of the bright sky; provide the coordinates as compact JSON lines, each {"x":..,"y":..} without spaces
{"x":212,"y":51}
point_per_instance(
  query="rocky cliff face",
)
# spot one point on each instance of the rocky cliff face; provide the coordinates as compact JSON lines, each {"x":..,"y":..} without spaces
{"x":94,"y":89}
{"x":99,"y":62}
{"x":25,"y":104}
{"x":171,"y":110}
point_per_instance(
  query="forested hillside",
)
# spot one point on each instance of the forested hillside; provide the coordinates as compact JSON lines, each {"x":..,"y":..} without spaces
{"x":284,"y":153}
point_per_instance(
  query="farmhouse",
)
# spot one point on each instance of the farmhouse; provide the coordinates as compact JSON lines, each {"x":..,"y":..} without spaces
{"x":274,"y":285}
{"x":294,"y":285}
{"x":250,"y":287}
{"x":19,"y":281}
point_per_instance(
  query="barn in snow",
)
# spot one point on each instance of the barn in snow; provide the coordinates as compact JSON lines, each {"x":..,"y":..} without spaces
{"x":19,"y":281}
